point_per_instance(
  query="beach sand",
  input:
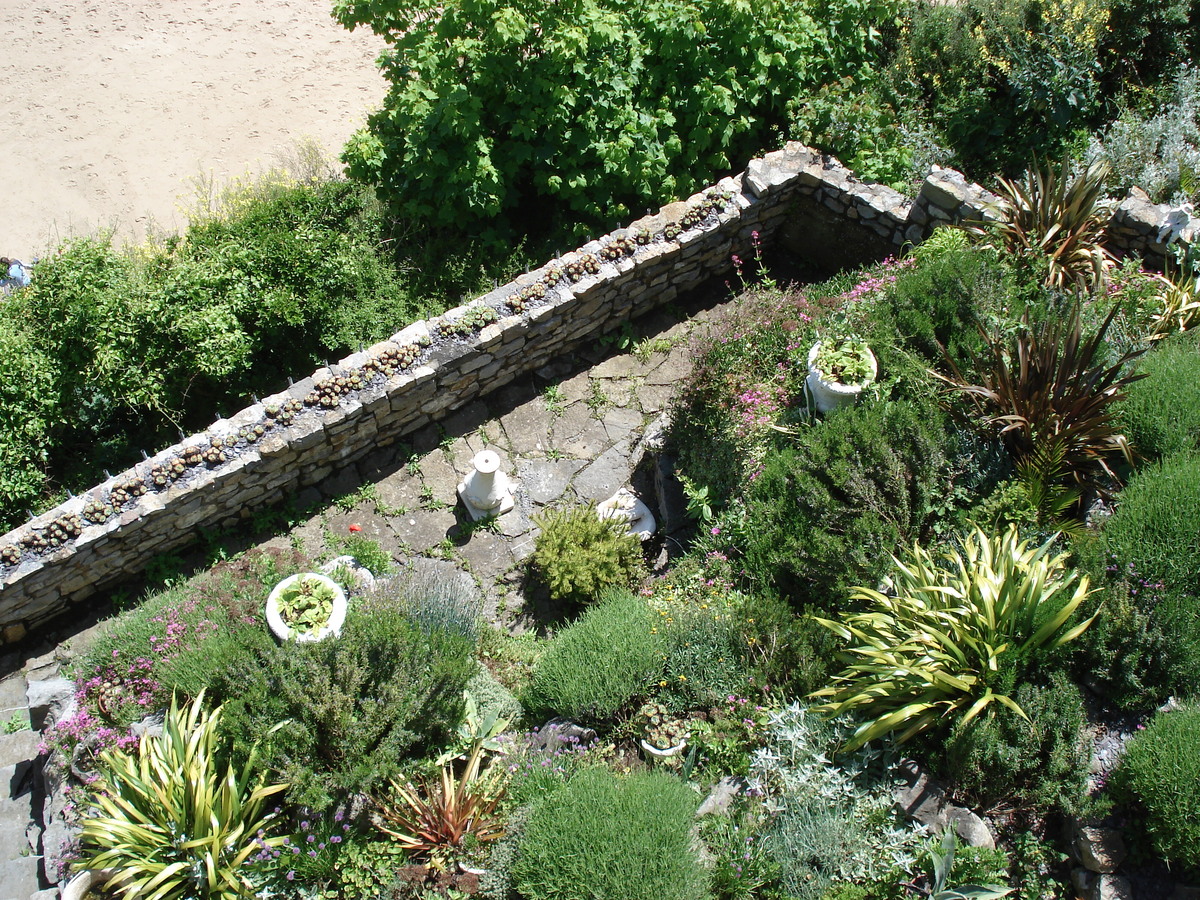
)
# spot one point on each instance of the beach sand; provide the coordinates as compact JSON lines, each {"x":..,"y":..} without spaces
{"x":115,"y":110}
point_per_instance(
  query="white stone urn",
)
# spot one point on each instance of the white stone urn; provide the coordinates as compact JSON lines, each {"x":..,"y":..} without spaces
{"x":486,"y":491}
{"x":828,"y":393}
{"x":625,"y":506}
{"x":332,"y":626}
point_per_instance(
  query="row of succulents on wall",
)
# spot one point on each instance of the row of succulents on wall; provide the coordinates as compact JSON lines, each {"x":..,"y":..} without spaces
{"x":211,"y":451}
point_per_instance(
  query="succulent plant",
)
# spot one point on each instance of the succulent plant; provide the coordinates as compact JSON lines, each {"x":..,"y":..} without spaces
{"x":618,"y":248}
{"x":97,"y":512}
{"x":659,"y":728}
{"x":672,"y":231}
{"x":10,"y":555}
{"x":475,"y":318}
{"x":528,"y":295}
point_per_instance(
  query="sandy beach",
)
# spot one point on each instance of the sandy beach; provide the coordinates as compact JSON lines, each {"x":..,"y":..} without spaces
{"x":115,"y":110}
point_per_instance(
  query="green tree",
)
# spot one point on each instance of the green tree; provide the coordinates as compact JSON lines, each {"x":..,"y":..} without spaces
{"x":589,"y":110}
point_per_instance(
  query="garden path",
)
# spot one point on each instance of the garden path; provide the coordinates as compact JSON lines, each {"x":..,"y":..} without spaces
{"x":578,"y":429}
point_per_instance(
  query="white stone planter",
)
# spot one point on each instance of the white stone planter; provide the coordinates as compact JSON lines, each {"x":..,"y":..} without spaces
{"x":831,"y":395}
{"x":625,"y":506}
{"x":661,"y":753}
{"x":80,"y":887}
{"x":281,"y":630}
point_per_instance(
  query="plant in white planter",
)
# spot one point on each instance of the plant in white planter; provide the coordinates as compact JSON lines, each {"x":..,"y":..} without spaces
{"x":306,"y":607}
{"x":839,"y":369}
{"x":663,"y":735}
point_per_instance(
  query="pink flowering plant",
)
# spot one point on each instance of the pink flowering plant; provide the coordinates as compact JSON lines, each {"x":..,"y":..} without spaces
{"x":129,"y":672}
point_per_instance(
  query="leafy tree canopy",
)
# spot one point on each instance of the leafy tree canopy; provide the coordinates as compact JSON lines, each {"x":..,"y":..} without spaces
{"x":526,"y":112}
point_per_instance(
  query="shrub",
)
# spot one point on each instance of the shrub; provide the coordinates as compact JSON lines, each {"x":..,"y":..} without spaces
{"x":1160,"y":772}
{"x":169,"y":822}
{"x":954,"y":636}
{"x":578,"y":555}
{"x":1050,"y":396}
{"x":492,"y":697}
{"x":1155,"y":527}
{"x":596,"y":665}
{"x":1127,"y":655}
{"x":436,"y":598}
{"x":935,"y":306}
{"x":1161,"y":413}
{"x":786,"y":649}
{"x":704,"y":658}
{"x":1159,"y":152}
{"x":829,"y":508}
{"x":501,"y":108}
{"x":1144,"y":39}
{"x":357,"y":705}
{"x":1040,"y":763}
{"x":602,"y":837}
{"x":829,"y":824}
{"x":1056,"y":221}
{"x":1002,"y":80}
{"x":28,"y":417}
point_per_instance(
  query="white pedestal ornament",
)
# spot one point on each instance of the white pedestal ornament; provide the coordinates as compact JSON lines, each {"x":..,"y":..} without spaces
{"x":486,"y":491}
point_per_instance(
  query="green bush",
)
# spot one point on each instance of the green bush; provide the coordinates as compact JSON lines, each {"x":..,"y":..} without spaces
{"x":704,"y":658}
{"x":596,"y":665}
{"x":1160,"y":772}
{"x":493,"y":697}
{"x":787,"y":650}
{"x":1002,"y":81}
{"x":578,"y":555}
{"x":357,"y":705}
{"x":590,"y":112}
{"x":939,"y":302}
{"x":603,"y":837}
{"x":29,"y":415}
{"x":119,"y":347}
{"x":1040,"y":763}
{"x":1161,"y":412}
{"x":1156,"y":527}
{"x":1144,"y":40}
{"x":830,"y":508}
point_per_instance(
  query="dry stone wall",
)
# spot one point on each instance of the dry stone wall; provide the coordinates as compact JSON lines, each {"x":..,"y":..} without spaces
{"x":370,"y":400}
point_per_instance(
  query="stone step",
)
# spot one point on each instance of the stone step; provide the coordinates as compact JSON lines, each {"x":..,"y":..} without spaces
{"x":19,"y":878}
{"x":19,"y":747}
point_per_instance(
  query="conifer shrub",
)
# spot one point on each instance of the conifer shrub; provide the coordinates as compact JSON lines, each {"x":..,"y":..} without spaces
{"x":1161,"y":412}
{"x":1039,"y":764}
{"x":596,"y":665}
{"x":831,"y":506}
{"x":1160,"y":775}
{"x":578,"y":555}
{"x":604,"y":837}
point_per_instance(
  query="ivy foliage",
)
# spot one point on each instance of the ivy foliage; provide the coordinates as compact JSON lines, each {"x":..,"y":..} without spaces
{"x":592,"y":109}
